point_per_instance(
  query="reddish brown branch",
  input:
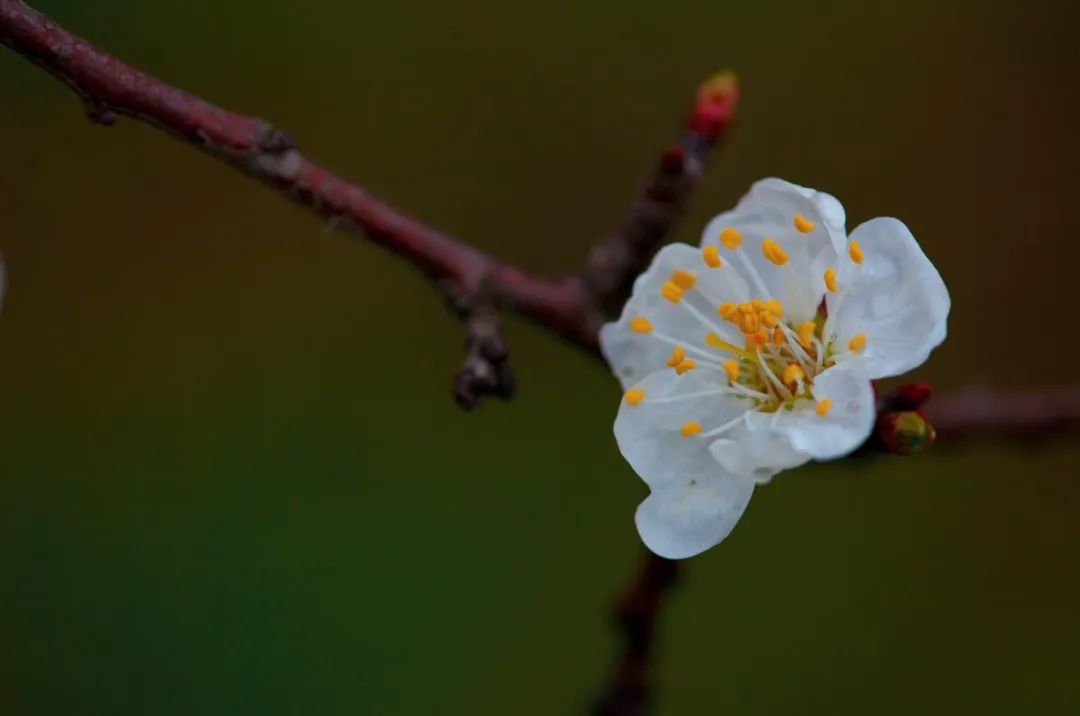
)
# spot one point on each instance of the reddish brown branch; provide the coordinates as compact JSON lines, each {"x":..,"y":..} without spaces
{"x":908,"y":421}
{"x":573,"y":307}
{"x":110,"y":88}
{"x":986,"y":412}
{"x":630,"y":691}
{"x":614,"y":263}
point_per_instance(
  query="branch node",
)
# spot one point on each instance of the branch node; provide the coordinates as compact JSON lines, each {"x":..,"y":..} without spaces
{"x":99,"y":113}
{"x":274,"y":140}
{"x":486,"y":369}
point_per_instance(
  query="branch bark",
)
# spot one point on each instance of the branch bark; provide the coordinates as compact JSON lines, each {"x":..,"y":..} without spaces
{"x":982,"y":412}
{"x":573,"y":306}
{"x":630,"y":690}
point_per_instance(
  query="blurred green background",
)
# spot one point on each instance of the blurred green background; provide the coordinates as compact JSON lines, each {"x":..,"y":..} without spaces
{"x":232,"y":479}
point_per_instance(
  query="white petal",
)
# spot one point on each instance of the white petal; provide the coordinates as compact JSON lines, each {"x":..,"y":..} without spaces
{"x":768,"y":210}
{"x":827,"y":206}
{"x":684,"y":519}
{"x":759,"y":453}
{"x":631,"y":355}
{"x":847,"y":424}
{"x":896,"y":298}
{"x":649,"y":434}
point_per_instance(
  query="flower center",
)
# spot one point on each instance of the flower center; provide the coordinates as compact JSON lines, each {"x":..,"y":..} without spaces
{"x":779,"y":360}
{"x":768,"y":359}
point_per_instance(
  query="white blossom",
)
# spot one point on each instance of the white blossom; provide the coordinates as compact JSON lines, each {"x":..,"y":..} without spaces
{"x":754,"y":353}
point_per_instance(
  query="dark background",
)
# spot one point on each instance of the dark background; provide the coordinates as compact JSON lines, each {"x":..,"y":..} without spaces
{"x":232,"y":480}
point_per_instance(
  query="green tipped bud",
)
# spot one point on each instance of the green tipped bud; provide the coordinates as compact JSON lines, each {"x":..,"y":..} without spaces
{"x":906,"y":432}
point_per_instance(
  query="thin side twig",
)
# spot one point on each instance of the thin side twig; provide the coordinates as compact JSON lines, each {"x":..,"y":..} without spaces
{"x":981,"y":412}
{"x":615,"y":262}
{"x":629,"y":692}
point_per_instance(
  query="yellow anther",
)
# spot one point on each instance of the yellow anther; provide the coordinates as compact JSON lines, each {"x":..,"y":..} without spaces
{"x":749,"y":322}
{"x":774,"y":307}
{"x":731,"y":367}
{"x":756,"y":340}
{"x":711,"y":256}
{"x":727,"y":310}
{"x":857,"y":344}
{"x":671,"y":292}
{"x":747,"y":307}
{"x":634,"y":396}
{"x":685,"y":365}
{"x":757,"y":303}
{"x":773,"y":252}
{"x":731,"y":238}
{"x":806,"y":334}
{"x":804,"y":225}
{"x":855,"y":251}
{"x":691,"y":428}
{"x":777,"y":337}
{"x":768,"y":319}
{"x":677,"y":356}
{"x":823,"y":407}
{"x":830,"y":279}
{"x":640,"y":324}
{"x":792,"y":374}
{"x":683,"y":279}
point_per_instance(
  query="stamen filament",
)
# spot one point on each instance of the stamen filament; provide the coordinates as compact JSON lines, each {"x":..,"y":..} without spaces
{"x":716,"y":342}
{"x":724,"y":428}
{"x":705,"y":321}
{"x":772,"y":376}
{"x":820,"y":350}
{"x":703,"y":356}
{"x":749,"y":392}
{"x":699,"y":394}
{"x":754,"y":276}
{"x":796,"y":349}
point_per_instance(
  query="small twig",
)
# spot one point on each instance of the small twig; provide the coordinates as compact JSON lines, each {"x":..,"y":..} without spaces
{"x":613,"y":264}
{"x":908,"y":421}
{"x":630,"y":690}
{"x":987,"y":412}
{"x":485,"y":371}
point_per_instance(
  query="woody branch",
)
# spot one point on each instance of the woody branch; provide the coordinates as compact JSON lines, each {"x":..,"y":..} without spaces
{"x":573,"y":306}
